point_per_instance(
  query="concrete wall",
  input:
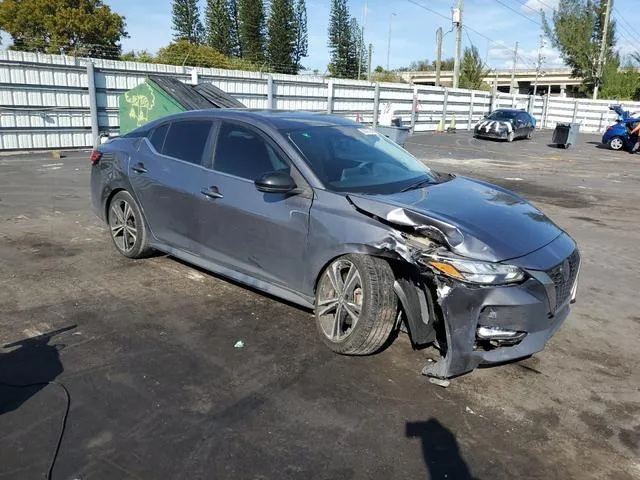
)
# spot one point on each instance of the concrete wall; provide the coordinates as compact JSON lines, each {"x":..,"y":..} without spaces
{"x":46,"y":100}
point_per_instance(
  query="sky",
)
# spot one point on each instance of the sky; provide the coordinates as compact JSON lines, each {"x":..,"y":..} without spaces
{"x":493,"y":27}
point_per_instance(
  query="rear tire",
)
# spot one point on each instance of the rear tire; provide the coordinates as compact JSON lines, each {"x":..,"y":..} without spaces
{"x":356,"y":306}
{"x":530,"y":135}
{"x":616,"y":143}
{"x":127,"y":227}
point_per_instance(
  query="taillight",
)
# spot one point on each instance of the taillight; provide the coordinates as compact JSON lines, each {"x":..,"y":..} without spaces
{"x":95,"y":157}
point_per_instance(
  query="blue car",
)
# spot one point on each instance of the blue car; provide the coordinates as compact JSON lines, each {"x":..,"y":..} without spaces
{"x":617,"y":137}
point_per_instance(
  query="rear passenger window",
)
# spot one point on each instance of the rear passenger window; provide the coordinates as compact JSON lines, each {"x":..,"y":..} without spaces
{"x":157,"y":136}
{"x":187,"y":140}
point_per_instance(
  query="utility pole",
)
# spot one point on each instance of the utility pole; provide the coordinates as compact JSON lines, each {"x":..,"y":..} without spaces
{"x":439,"y":55}
{"x":457,"y":23}
{"x":513,"y":71}
{"x":603,"y":49}
{"x":369,"y":64}
{"x":389,"y":42}
{"x":541,"y":59}
{"x":361,"y":46}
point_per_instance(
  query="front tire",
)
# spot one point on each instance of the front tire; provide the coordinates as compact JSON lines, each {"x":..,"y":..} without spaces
{"x":127,"y":227}
{"x":356,"y":306}
{"x":616,"y":143}
{"x":510,"y":137}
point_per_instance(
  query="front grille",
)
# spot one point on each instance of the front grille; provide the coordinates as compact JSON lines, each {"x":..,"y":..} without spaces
{"x":562,"y":280}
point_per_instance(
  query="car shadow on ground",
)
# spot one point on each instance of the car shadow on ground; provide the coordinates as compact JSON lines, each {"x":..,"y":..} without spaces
{"x":599,"y":145}
{"x":440,"y":450}
{"x":29,"y":368}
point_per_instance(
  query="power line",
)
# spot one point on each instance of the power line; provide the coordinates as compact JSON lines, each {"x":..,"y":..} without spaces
{"x":620,"y":17}
{"x":435,"y":12}
{"x":527,"y":6}
{"x":500,"y":45}
{"x":546,"y":5}
{"x":518,"y":12}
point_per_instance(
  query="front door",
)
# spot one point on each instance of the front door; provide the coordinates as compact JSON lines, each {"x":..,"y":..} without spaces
{"x":261,"y":234}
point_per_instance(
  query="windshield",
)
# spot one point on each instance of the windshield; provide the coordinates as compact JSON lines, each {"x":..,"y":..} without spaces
{"x":502,"y":115}
{"x":358,"y":159}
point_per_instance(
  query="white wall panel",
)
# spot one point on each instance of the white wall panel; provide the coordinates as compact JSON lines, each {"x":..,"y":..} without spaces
{"x":44,"y":98}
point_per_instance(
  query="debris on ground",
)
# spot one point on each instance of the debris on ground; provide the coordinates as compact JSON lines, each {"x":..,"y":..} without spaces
{"x":441,"y":382}
{"x":239,"y":344}
{"x":468,"y":410}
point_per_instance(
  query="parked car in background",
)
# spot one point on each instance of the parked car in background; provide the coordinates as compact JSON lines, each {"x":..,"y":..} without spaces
{"x":329,"y":214}
{"x":616,"y":136}
{"x":506,"y":124}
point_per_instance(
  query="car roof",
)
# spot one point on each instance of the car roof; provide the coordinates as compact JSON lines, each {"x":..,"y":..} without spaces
{"x":517,"y":110}
{"x":278,"y":119}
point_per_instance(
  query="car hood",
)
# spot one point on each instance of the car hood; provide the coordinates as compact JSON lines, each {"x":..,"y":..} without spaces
{"x":488,"y":124}
{"x":476,"y":219}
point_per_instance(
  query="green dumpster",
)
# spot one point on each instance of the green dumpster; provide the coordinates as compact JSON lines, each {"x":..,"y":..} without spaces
{"x":145,"y":103}
{"x":159,"y":96}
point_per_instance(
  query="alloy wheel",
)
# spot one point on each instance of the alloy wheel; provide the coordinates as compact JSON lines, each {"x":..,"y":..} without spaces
{"x":122,"y":222}
{"x":616,"y":143}
{"x":340,"y":300}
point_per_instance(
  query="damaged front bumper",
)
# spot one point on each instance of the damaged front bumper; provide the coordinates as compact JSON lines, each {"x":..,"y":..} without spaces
{"x":496,"y":324}
{"x":518,"y":316}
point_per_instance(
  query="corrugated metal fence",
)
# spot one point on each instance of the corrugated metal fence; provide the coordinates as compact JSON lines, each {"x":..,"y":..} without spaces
{"x":46,"y":100}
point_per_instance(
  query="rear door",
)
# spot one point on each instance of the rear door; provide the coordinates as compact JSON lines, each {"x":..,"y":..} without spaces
{"x":167,"y":174}
{"x":261,"y":234}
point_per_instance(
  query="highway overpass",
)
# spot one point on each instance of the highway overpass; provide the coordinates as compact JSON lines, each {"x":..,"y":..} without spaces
{"x":557,"y":81}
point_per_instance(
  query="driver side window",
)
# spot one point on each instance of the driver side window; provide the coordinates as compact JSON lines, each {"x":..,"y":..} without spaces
{"x":244,"y":153}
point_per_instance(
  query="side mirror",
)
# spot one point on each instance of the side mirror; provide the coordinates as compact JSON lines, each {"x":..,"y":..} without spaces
{"x":275,"y":182}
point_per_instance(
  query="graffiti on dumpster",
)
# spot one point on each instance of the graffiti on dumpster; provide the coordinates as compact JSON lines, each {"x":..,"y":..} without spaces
{"x":140,"y":104}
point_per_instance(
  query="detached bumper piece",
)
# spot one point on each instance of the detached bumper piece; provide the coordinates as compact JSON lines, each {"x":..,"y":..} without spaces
{"x":490,"y":325}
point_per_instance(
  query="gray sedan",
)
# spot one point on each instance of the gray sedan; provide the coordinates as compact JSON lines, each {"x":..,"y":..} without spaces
{"x":328,"y":214}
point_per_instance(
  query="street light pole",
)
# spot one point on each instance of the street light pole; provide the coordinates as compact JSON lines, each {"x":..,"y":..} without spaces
{"x":389,"y":41}
{"x":361,"y":43}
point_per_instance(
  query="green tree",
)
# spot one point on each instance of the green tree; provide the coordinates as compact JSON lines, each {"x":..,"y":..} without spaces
{"x":576,"y":30}
{"x":420,"y":66}
{"x":186,"y":21}
{"x":183,"y":52}
{"x":281,"y":46}
{"x":142,"y":56}
{"x":72,"y":27}
{"x":357,"y":50}
{"x":344,"y":59}
{"x":235,"y":28}
{"x":218,"y":26}
{"x":251,"y":29}
{"x":473,"y":70}
{"x":620,"y":83}
{"x":302,"y":37}
{"x":445,"y":65}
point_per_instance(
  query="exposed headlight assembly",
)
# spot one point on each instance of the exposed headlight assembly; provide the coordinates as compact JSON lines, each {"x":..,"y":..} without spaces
{"x":473,"y":271}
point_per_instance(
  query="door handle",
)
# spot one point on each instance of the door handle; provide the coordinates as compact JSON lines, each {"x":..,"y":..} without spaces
{"x":211,"y":192}
{"x":139,"y":168}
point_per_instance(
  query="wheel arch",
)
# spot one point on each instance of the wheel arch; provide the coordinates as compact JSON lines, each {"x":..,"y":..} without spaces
{"x":413,"y":291}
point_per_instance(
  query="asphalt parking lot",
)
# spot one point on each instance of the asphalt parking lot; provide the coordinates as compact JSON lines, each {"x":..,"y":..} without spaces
{"x":158,"y":389}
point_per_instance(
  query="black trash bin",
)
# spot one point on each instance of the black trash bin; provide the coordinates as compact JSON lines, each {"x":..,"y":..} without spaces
{"x":566,"y":134}
{"x":398,"y":135}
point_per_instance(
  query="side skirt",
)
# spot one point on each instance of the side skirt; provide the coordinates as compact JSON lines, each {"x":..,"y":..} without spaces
{"x":275,"y":290}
